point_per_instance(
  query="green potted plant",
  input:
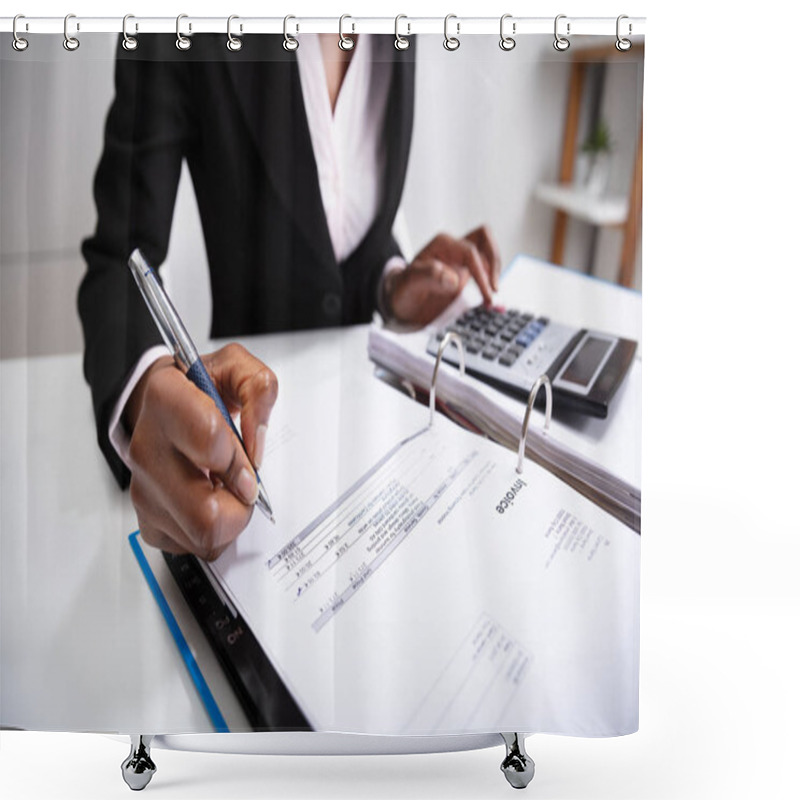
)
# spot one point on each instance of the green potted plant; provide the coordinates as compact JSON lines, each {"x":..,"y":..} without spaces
{"x":597,"y":149}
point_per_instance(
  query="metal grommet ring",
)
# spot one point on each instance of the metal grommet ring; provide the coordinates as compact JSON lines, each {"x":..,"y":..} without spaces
{"x":234,"y":44}
{"x":345,"y":42}
{"x":507,"y":42}
{"x":289,"y":42}
{"x":18,"y":43}
{"x":400,"y":42}
{"x":70,"y":42}
{"x":182,"y":42}
{"x":128,"y":42}
{"x":451,"y":43}
{"x":561,"y":43}
{"x":623,"y":44}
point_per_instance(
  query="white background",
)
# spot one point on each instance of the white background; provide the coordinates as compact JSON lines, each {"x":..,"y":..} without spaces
{"x":720,"y":604}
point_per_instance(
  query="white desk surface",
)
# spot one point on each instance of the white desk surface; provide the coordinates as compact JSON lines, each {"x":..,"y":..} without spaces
{"x":83,"y":646}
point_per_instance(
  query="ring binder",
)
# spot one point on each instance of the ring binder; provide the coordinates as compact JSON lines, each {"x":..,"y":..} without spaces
{"x":18,"y":43}
{"x":623,"y":44}
{"x":128,"y":42}
{"x":345,"y":42}
{"x":451,"y":43}
{"x":450,"y":336}
{"x":233,"y":44}
{"x":71,"y":43}
{"x":507,"y":42}
{"x":290,"y":44}
{"x":561,"y":43}
{"x":400,"y":42}
{"x":182,"y":42}
{"x":542,"y":380}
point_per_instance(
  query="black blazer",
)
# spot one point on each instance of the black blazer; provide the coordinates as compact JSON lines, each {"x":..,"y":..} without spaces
{"x":239,"y":121}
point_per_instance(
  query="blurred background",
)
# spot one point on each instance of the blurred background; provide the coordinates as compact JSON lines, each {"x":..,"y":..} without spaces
{"x":541,"y":146}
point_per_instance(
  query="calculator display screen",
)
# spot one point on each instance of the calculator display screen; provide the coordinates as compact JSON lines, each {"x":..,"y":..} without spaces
{"x":585,"y":362}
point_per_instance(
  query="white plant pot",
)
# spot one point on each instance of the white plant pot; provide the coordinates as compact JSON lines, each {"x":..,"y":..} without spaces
{"x":598,"y":173}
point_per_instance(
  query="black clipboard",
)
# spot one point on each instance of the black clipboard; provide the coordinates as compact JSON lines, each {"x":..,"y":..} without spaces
{"x":264,"y":697}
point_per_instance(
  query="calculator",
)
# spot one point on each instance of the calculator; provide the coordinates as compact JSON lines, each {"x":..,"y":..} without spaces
{"x":510,"y":349}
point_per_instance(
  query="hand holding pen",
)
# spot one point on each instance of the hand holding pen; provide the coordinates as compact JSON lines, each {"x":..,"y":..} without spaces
{"x":193,"y":481}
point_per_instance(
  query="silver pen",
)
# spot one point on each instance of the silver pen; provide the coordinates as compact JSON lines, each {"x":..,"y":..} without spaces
{"x":185,"y":353}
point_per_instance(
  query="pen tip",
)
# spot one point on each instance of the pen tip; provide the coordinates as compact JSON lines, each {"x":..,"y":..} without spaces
{"x":263,"y":504}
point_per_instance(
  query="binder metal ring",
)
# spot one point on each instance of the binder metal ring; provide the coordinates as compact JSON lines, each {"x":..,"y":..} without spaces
{"x":182,"y":42}
{"x":290,"y":44}
{"x":400,"y":42}
{"x":345,"y":42}
{"x":542,"y":380}
{"x":449,"y":337}
{"x":70,"y":42}
{"x":233,"y":44}
{"x":451,"y":43}
{"x":507,"y":42}
{"x":623,"y":44}
{"x":128,"y":42}
{"x":18,"y":43}
{"x":561,"y":43}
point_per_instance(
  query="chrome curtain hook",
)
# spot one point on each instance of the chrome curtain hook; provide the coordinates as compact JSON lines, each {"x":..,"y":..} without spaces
{"x":400,"y":42}
{"x":234,"y":44}
{"x":507,"y":42}
{"x":70,"y":42}
{"x":290,"y":44}
{"x":18,"y":43}
{"x":451,"y":43}
{"x":128,"y":42}
{"x":182,"y":42}
{"x":561,"y":43}
{"x":623,"y":44}
{"x":345,"y":42}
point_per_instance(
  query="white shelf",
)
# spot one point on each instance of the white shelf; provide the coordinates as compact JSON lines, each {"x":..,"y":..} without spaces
{"x":580,"y":203}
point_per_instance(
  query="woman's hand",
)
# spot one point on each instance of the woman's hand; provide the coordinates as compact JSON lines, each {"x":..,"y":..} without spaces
{"x":191,"y":485}
{"x":417,"y":294}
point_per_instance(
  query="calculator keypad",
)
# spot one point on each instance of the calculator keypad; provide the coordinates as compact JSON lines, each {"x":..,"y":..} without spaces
{"x":508,"y":346}
{"x":512,"y":349}
{"x":497,"y":334}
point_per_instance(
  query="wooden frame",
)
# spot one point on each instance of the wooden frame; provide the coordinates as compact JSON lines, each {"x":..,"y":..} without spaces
{"x":632,"y":225}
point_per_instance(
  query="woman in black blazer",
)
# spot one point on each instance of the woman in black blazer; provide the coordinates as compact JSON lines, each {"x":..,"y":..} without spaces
{"x":240,"y":122}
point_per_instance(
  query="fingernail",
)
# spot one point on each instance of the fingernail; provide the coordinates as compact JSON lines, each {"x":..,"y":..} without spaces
{"x":261,"y":443}
{"x":246,"y":486}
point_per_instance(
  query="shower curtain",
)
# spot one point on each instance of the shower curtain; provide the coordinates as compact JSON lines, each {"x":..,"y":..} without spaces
{"x":293,"y":192}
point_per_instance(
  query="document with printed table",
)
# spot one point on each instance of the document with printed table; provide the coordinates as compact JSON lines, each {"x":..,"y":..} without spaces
{"x":416,"y":583}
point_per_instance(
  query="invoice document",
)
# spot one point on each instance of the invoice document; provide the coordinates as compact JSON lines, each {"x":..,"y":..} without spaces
{"x":415,"y":583}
